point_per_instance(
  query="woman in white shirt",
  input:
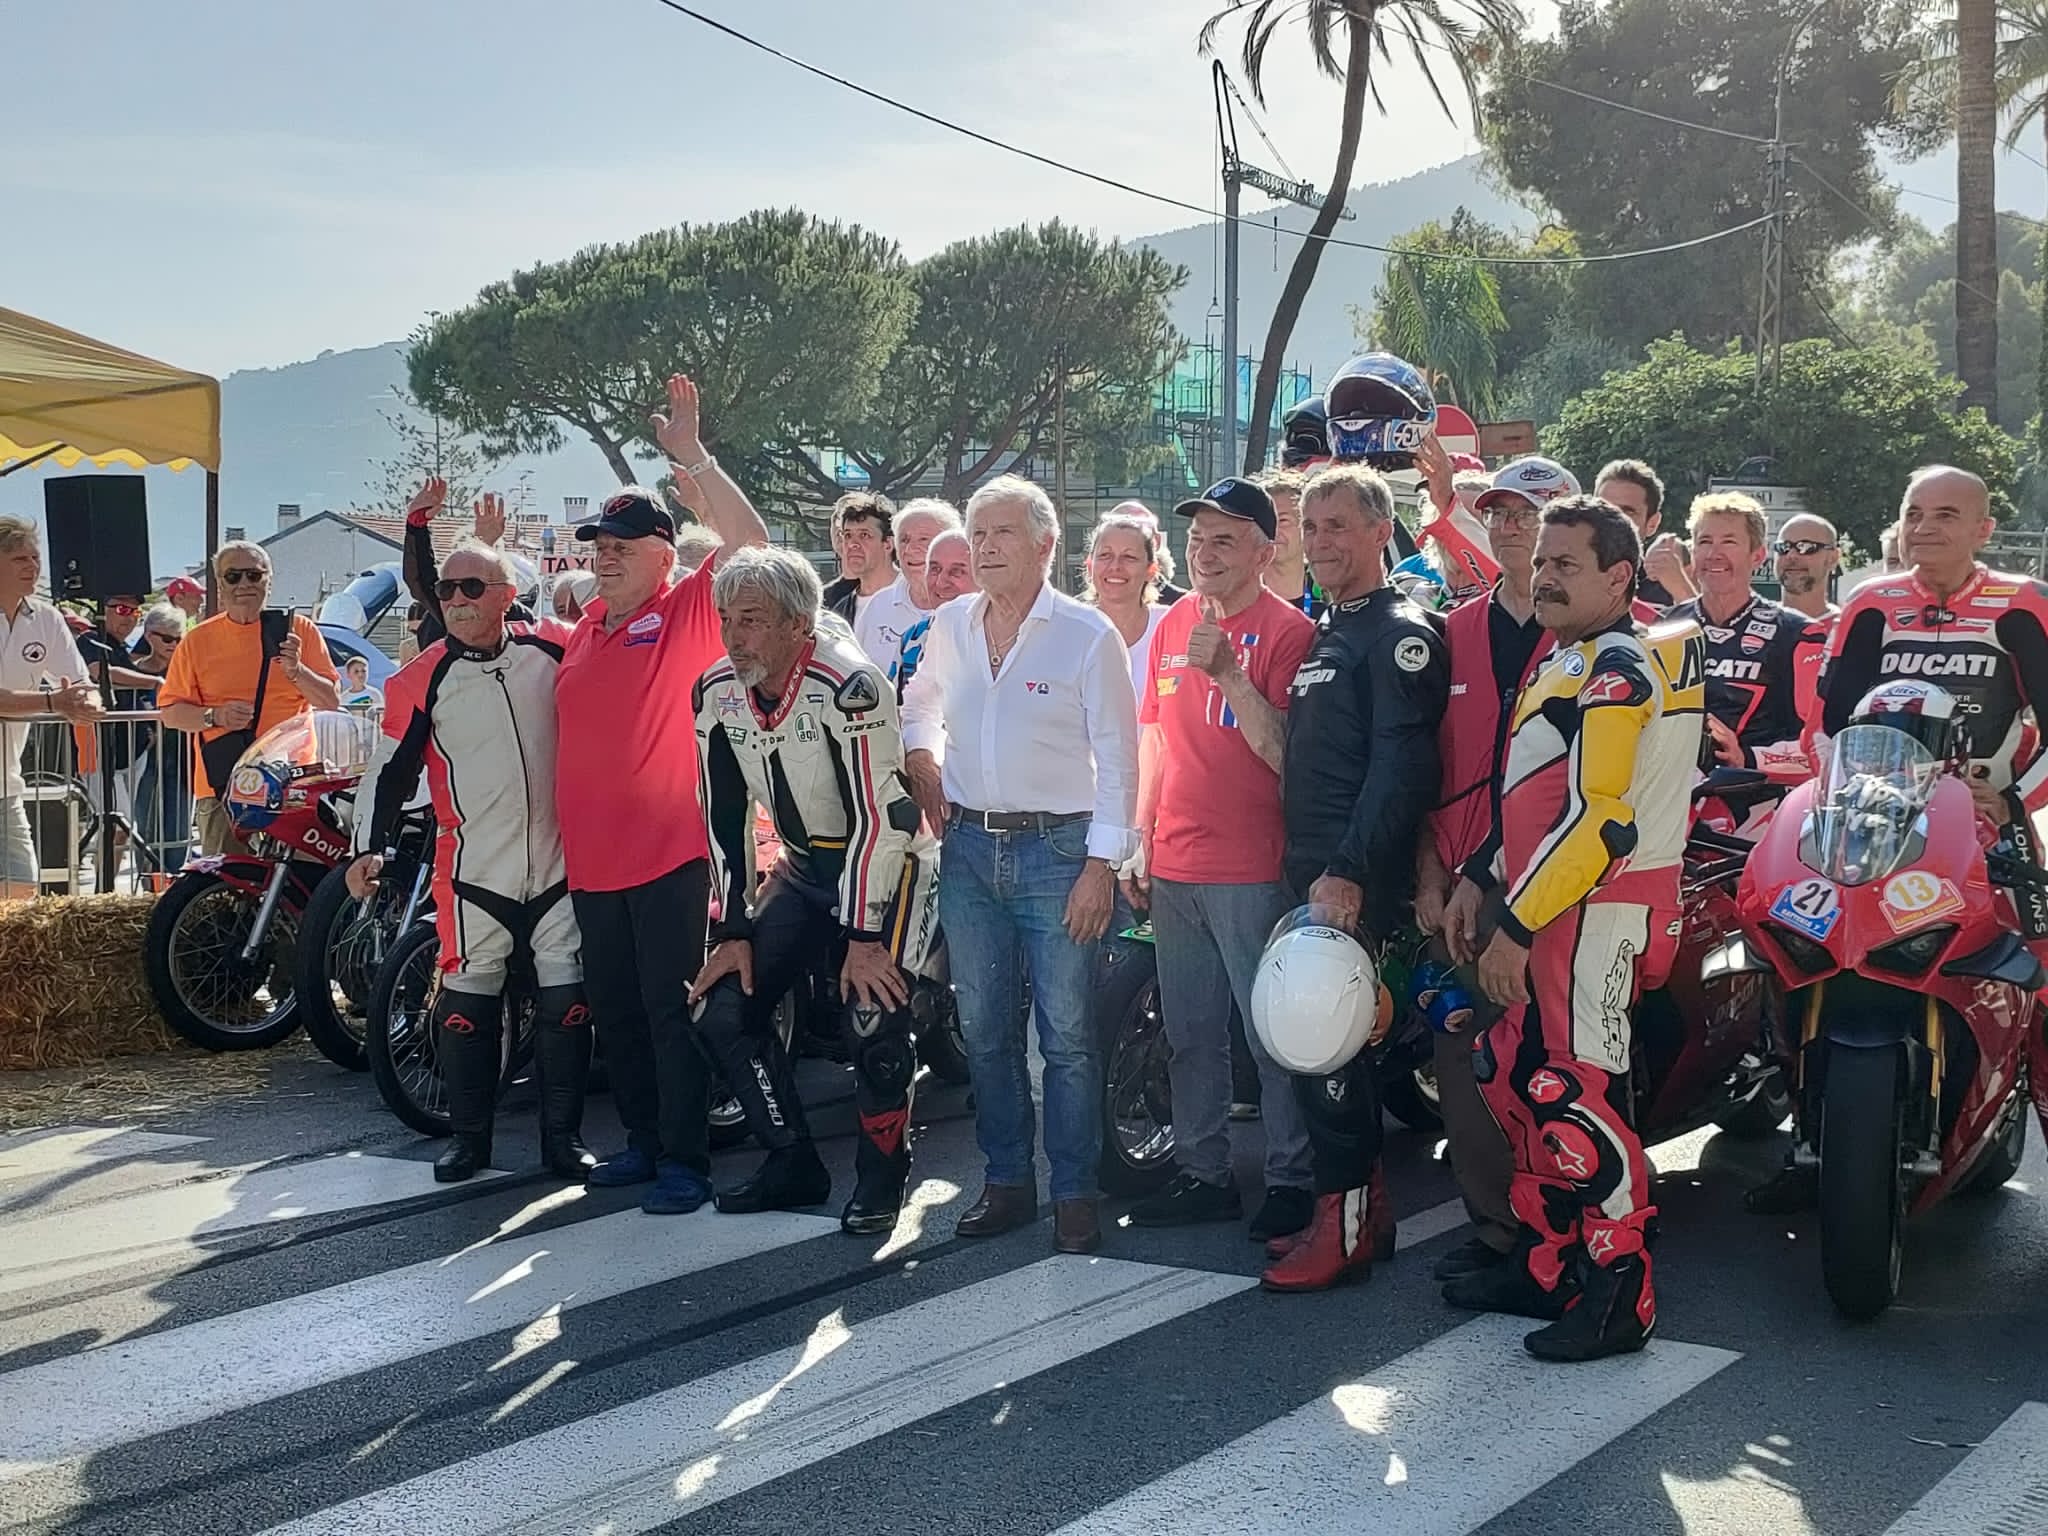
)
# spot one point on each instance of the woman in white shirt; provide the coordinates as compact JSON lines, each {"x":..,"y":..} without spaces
{"x":1123,"y":581}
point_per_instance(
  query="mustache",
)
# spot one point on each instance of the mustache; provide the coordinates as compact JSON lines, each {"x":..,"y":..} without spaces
{"x":1547,"y":595}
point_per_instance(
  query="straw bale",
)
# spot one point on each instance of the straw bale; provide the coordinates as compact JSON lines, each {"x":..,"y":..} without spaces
{"x":72,"y":987}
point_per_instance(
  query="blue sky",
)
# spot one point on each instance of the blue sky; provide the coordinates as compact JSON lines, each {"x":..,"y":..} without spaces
{"x":235,"y":183}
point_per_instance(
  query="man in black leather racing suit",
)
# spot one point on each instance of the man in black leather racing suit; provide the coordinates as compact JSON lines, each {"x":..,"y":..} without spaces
{"x":1359,"y":776}
{"x":798,"y":719}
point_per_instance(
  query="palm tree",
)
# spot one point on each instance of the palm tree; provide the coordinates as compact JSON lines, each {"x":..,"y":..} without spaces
{"x":1463,"y":31}
{"x":1977,"y":202}
{"x":1443,"y":315}
{"x":2019,"y":87}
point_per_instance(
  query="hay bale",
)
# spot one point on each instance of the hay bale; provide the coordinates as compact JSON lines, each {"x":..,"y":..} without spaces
{"x":72,"y":987}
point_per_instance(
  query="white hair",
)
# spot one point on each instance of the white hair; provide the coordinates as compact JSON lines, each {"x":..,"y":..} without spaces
{"x":946,"y":536}
{"x":18,"y":533}
{"x":469,"y":544}
{"x":942,"y":512}
{"x":783,"y":576}
{"x":240,"y":547}
{"x":1044,"y":517}
{"x":163,"y":618}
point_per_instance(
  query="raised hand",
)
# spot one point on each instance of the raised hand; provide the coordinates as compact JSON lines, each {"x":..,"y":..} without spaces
{"x":427,"y":502}
{"x":1210,"y":650}
{"x":490,"y":518}
{"x":678,"y":432}
{"x":1434,"y":465}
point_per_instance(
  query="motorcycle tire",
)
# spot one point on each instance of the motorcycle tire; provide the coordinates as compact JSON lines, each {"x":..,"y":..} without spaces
{"x":1862,"y":1183}
{"x":1759,"y":1115}
{"x":940,"y":1045}
{"x":339,"y":954}
{"x":2001,"y":1159}
{"x":1410,"y":1096}
{"x":191,"y":955}
{"x":1137,"y":1098}
{"x":399,"y":1033}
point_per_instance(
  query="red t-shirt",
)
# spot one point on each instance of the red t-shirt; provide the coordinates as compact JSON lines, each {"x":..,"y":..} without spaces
{"x":1218,"y":819}
{"x":626,"y":743}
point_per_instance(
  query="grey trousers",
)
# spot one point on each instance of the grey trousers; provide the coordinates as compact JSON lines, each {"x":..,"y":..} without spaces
{"x":1481,"y":1161}
{"x":1208,"y":940}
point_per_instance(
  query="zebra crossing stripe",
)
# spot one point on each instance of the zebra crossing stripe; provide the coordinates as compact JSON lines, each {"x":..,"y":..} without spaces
{"x":70,"y":1243}
{"x":1999,"y":1489}
{"x":634,"y":1468}
{"x":1389,"y":1452}
{"x":105,"y":1397}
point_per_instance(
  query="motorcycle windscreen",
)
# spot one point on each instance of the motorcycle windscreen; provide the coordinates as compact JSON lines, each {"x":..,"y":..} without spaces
{"x":1869,"y":804}
{"x":317,"y":745}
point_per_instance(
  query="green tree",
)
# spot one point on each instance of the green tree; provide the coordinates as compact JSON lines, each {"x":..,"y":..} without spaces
{"x":1624,"y":182}
{"x":1010,"y":328}
{"x":784,"y":321}
{"x":424,"y":447}
{"x":1848,"y":424}
{"x":1345,"y":37}
{"x":1571,"y":361}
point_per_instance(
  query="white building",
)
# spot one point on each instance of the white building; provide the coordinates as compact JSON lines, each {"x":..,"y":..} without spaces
{"x":313,"y":557}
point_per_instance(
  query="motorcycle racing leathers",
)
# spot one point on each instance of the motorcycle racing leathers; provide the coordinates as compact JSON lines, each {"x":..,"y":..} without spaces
{"x":826,"y":758}
{"x":1762,"y":666}
{"x":481,"y":726}
{"x":1594,"y":804}
{"x":1358,"y":780}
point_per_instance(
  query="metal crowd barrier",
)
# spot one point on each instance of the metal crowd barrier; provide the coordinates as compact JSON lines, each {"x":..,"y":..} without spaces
{"x":108,"y":805}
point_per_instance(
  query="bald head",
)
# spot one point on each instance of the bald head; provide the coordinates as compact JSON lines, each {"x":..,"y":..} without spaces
{"x":1943,"y":521}
{"x":1807,"y":556}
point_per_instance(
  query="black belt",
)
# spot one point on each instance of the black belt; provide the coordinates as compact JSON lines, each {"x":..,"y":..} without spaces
{"x":1017,"y":821}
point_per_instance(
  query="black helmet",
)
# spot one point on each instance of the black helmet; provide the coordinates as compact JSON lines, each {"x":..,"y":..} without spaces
{"x":1380,"y":409}
{"x":1304,"y":432}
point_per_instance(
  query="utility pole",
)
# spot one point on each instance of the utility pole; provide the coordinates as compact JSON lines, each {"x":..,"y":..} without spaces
{"x":1237,"y":174}
{"x":1062,"y":577}
{"x":1770,"y":310}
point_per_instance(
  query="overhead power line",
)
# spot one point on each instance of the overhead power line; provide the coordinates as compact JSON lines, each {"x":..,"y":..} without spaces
{"x":883,"y":99}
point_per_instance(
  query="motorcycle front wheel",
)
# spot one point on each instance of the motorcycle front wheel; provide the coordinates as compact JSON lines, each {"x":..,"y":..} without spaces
{"x":206,"y":991}
{"x":1137,"y":1098}
{"x":342,"y":946}
{"x":1862,"y":1184}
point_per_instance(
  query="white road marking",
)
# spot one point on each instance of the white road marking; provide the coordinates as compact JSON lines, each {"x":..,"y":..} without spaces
{"x":1394,"y":1450}
{"x":72,"y":1242}
{"x":1999,"y":1489}
{"x":637,"y":1467}
{"x":521,"y":1284}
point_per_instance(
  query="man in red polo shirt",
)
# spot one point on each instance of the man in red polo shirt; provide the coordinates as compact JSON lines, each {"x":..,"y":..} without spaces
{"x":1214,"y":720}
{"x":633,"y":837}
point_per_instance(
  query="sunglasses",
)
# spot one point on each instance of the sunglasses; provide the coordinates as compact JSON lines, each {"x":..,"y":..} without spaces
{"x":1799,"y":547}
{"x":241,"y":574}
{"x":163,"y":639}
{"x":471,"y":587}
{"x":125,"y":610}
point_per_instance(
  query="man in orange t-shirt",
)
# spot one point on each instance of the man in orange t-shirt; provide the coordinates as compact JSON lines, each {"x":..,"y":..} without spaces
{"x":210,"y":688}
{"x":1214,"y":722}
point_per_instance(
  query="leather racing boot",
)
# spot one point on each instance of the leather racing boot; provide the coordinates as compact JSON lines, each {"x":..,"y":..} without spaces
{"x":467,"y":1027}
{"x":1616,"y":1309}
{"x":790,"y":1178}
{"x":561,"y":1054}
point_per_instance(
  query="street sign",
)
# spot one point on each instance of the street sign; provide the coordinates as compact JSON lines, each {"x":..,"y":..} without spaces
{"x":1505,"y":439}
{"x":1780,"y":502}
{"x":1456,"y":431}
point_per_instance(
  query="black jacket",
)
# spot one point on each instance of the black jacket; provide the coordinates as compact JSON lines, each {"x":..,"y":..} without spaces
{"x":1361,"y":770}
{"x":841,"y":596}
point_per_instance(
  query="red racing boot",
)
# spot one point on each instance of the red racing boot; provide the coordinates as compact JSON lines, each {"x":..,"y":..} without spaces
{"x":1615,"y":1311}
{"x":1351,"y":1229}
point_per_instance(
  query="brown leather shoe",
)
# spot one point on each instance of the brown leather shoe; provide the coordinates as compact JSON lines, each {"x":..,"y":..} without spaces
{"x":1001,"y":1208}
{"x":1075,"y":1227}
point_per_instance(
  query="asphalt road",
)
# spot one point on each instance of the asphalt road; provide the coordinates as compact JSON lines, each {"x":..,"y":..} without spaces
{"x":262,"y":1316}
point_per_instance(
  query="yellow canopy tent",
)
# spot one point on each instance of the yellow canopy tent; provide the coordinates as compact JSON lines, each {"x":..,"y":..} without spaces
{"x":65,"y":397}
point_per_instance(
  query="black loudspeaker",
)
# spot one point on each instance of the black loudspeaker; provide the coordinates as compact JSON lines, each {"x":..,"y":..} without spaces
{"x":99,"y":536}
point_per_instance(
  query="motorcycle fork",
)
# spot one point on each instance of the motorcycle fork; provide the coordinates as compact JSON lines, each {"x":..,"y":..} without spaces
{"x":267,"y":909}
{"x":1929,"y":1160}
{"x":1804,"y":1152}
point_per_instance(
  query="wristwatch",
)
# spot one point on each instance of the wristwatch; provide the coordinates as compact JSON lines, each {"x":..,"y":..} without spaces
{"x":208,"y":717}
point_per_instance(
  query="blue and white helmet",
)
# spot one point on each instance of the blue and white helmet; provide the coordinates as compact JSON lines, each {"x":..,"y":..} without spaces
{"x":1380,"y":410}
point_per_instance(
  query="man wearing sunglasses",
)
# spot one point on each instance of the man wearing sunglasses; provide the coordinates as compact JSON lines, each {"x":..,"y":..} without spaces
{"x":212,"y":684}
{"x":1808,"y":555}
{"x":475,"y":710}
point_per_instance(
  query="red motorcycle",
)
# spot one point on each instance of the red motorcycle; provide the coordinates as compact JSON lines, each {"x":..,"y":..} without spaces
{"x":223,"y":938}
{"x":1872,"y":898}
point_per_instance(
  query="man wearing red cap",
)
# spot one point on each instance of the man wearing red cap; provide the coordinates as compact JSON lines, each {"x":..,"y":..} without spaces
{"x":187,"y":596}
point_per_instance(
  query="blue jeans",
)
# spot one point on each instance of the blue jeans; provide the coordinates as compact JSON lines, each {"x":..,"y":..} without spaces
{"x":1003,"y":902}
{"x":163,"y":800}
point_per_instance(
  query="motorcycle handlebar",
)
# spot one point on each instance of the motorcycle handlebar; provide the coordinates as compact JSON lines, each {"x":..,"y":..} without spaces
{"x":2006,"y":870}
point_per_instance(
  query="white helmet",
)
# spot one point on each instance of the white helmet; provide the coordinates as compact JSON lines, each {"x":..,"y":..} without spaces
{"x":1317,"y":994}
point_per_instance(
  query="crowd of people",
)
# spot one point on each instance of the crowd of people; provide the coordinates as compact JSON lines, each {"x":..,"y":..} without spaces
{"x":1494,"y":742}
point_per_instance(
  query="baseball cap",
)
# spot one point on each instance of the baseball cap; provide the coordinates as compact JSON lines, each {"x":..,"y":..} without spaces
{"x":1535,"y":480}
{"x":182,"y":586}
{"x":1235,"y":498}
{"x":635,"y":513}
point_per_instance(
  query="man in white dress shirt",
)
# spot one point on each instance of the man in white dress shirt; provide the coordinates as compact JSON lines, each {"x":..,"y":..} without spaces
{"x":41,"y":673}
{"x":1022,"y":739}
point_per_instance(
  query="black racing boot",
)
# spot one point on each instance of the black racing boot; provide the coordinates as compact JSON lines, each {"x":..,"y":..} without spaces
{"x":790,"y":1178}
{"x":1509,"y":1287}
{"x":561,"y":1056}
{"x":881,"y":1173}
{"x":1468,"y":1258}
{"x":1615,"y":1313}
{"x":466,"y":1040}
